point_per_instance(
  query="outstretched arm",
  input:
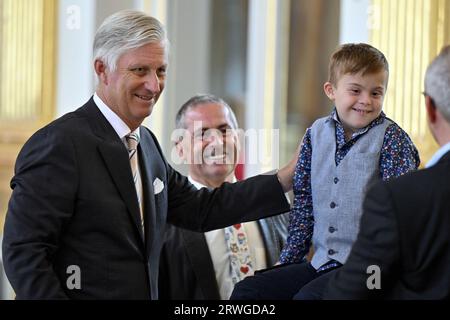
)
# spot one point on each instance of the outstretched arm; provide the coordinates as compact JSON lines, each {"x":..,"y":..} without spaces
{"x":286,"y":174}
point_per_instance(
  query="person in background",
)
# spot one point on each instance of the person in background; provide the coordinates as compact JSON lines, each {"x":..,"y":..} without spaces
{"x":207,"y":265}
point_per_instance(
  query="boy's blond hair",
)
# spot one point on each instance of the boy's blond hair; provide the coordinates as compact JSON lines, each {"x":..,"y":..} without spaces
{"x":353,"y":58}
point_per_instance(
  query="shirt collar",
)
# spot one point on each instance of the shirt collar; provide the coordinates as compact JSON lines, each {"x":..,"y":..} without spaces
{"x":198,"y":185}
{"x":119,"y":126}
{"x":438,"y":155}
{"x":377,"y":121}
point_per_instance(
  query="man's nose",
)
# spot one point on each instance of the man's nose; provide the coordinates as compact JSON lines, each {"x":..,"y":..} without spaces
{"x":152,"y":83}
{"x":215,"y":137}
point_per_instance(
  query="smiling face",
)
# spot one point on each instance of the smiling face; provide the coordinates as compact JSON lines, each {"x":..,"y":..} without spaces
{"x":211,"y":148}
{"x":358,"y":98}
{"x":133,"y":88}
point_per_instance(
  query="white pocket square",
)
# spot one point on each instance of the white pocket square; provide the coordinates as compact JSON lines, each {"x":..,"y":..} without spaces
{"x":158,"y":186}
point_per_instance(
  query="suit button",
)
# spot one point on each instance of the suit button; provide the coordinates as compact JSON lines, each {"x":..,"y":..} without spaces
{"x":336,"y":180}
{"x":331,"y":252}
{"x":332,"y":205}
{"x":331,"y":229}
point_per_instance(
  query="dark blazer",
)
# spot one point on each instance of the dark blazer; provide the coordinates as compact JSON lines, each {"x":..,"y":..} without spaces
{"x":186,"y":267}
{"x":405,"y":230}
{"x":74,"y":203}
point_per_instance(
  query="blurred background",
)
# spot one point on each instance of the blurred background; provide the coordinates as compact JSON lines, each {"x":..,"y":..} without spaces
{"x":267,"y":58}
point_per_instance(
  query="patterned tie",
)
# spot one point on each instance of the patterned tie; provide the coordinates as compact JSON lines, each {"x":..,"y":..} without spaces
{"x":240,"y":259}
{"x":132,"y":142}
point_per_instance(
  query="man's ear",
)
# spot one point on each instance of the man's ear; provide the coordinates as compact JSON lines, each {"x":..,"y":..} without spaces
{"x":431,"y":109}
{"x":179,"y":148}
{"x":329,"y":90}
{"x":100,"y":70}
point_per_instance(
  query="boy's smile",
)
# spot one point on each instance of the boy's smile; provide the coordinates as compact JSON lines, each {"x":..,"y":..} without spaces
{"x":358,"y":98}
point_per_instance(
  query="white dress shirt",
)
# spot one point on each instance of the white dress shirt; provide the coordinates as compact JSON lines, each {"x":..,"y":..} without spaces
{"x":122,"y":130}
{"x":220,"y":254}
{"x":120,"y":127}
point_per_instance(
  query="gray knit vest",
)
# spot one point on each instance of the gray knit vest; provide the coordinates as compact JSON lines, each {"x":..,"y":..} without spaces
{"x":338,"y":191}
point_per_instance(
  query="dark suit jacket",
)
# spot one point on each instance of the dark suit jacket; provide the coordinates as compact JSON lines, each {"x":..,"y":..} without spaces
{"x":405,"y":230}
{"x":74,"y":203}
{"x":186,"y":267}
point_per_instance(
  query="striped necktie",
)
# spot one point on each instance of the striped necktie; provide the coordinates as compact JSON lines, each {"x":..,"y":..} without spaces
{"x":132,"y":142}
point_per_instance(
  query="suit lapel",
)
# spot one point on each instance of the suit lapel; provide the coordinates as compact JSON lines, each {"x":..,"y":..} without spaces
{"x":115,"y":155}
{"x":270,"y":240}
{"x":117,"y":162}
{"x":200,"y":259}
{"x":150,"y":210}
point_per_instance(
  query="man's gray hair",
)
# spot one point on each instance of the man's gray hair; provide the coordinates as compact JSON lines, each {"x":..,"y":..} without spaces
{"x":124,"y":31}
{"x":200,"y":99}
{"x":437,"y":82}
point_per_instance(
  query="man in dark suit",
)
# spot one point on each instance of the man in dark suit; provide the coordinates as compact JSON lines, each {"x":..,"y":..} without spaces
{"x":403,"y":247}
{"x":92,"y":191}
{"x":199,"y":265}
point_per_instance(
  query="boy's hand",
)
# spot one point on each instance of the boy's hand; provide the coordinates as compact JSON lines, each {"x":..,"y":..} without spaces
{"x":286,"y":174}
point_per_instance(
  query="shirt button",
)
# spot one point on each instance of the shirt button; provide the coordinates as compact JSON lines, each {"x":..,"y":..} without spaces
{"x":336,"y":180}
{"x":331,"y":229}
{"x":331,"y":252}
{"x":332,"y":205}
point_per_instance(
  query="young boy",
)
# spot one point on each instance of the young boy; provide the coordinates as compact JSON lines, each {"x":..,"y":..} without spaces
{"x":341,"y":155}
